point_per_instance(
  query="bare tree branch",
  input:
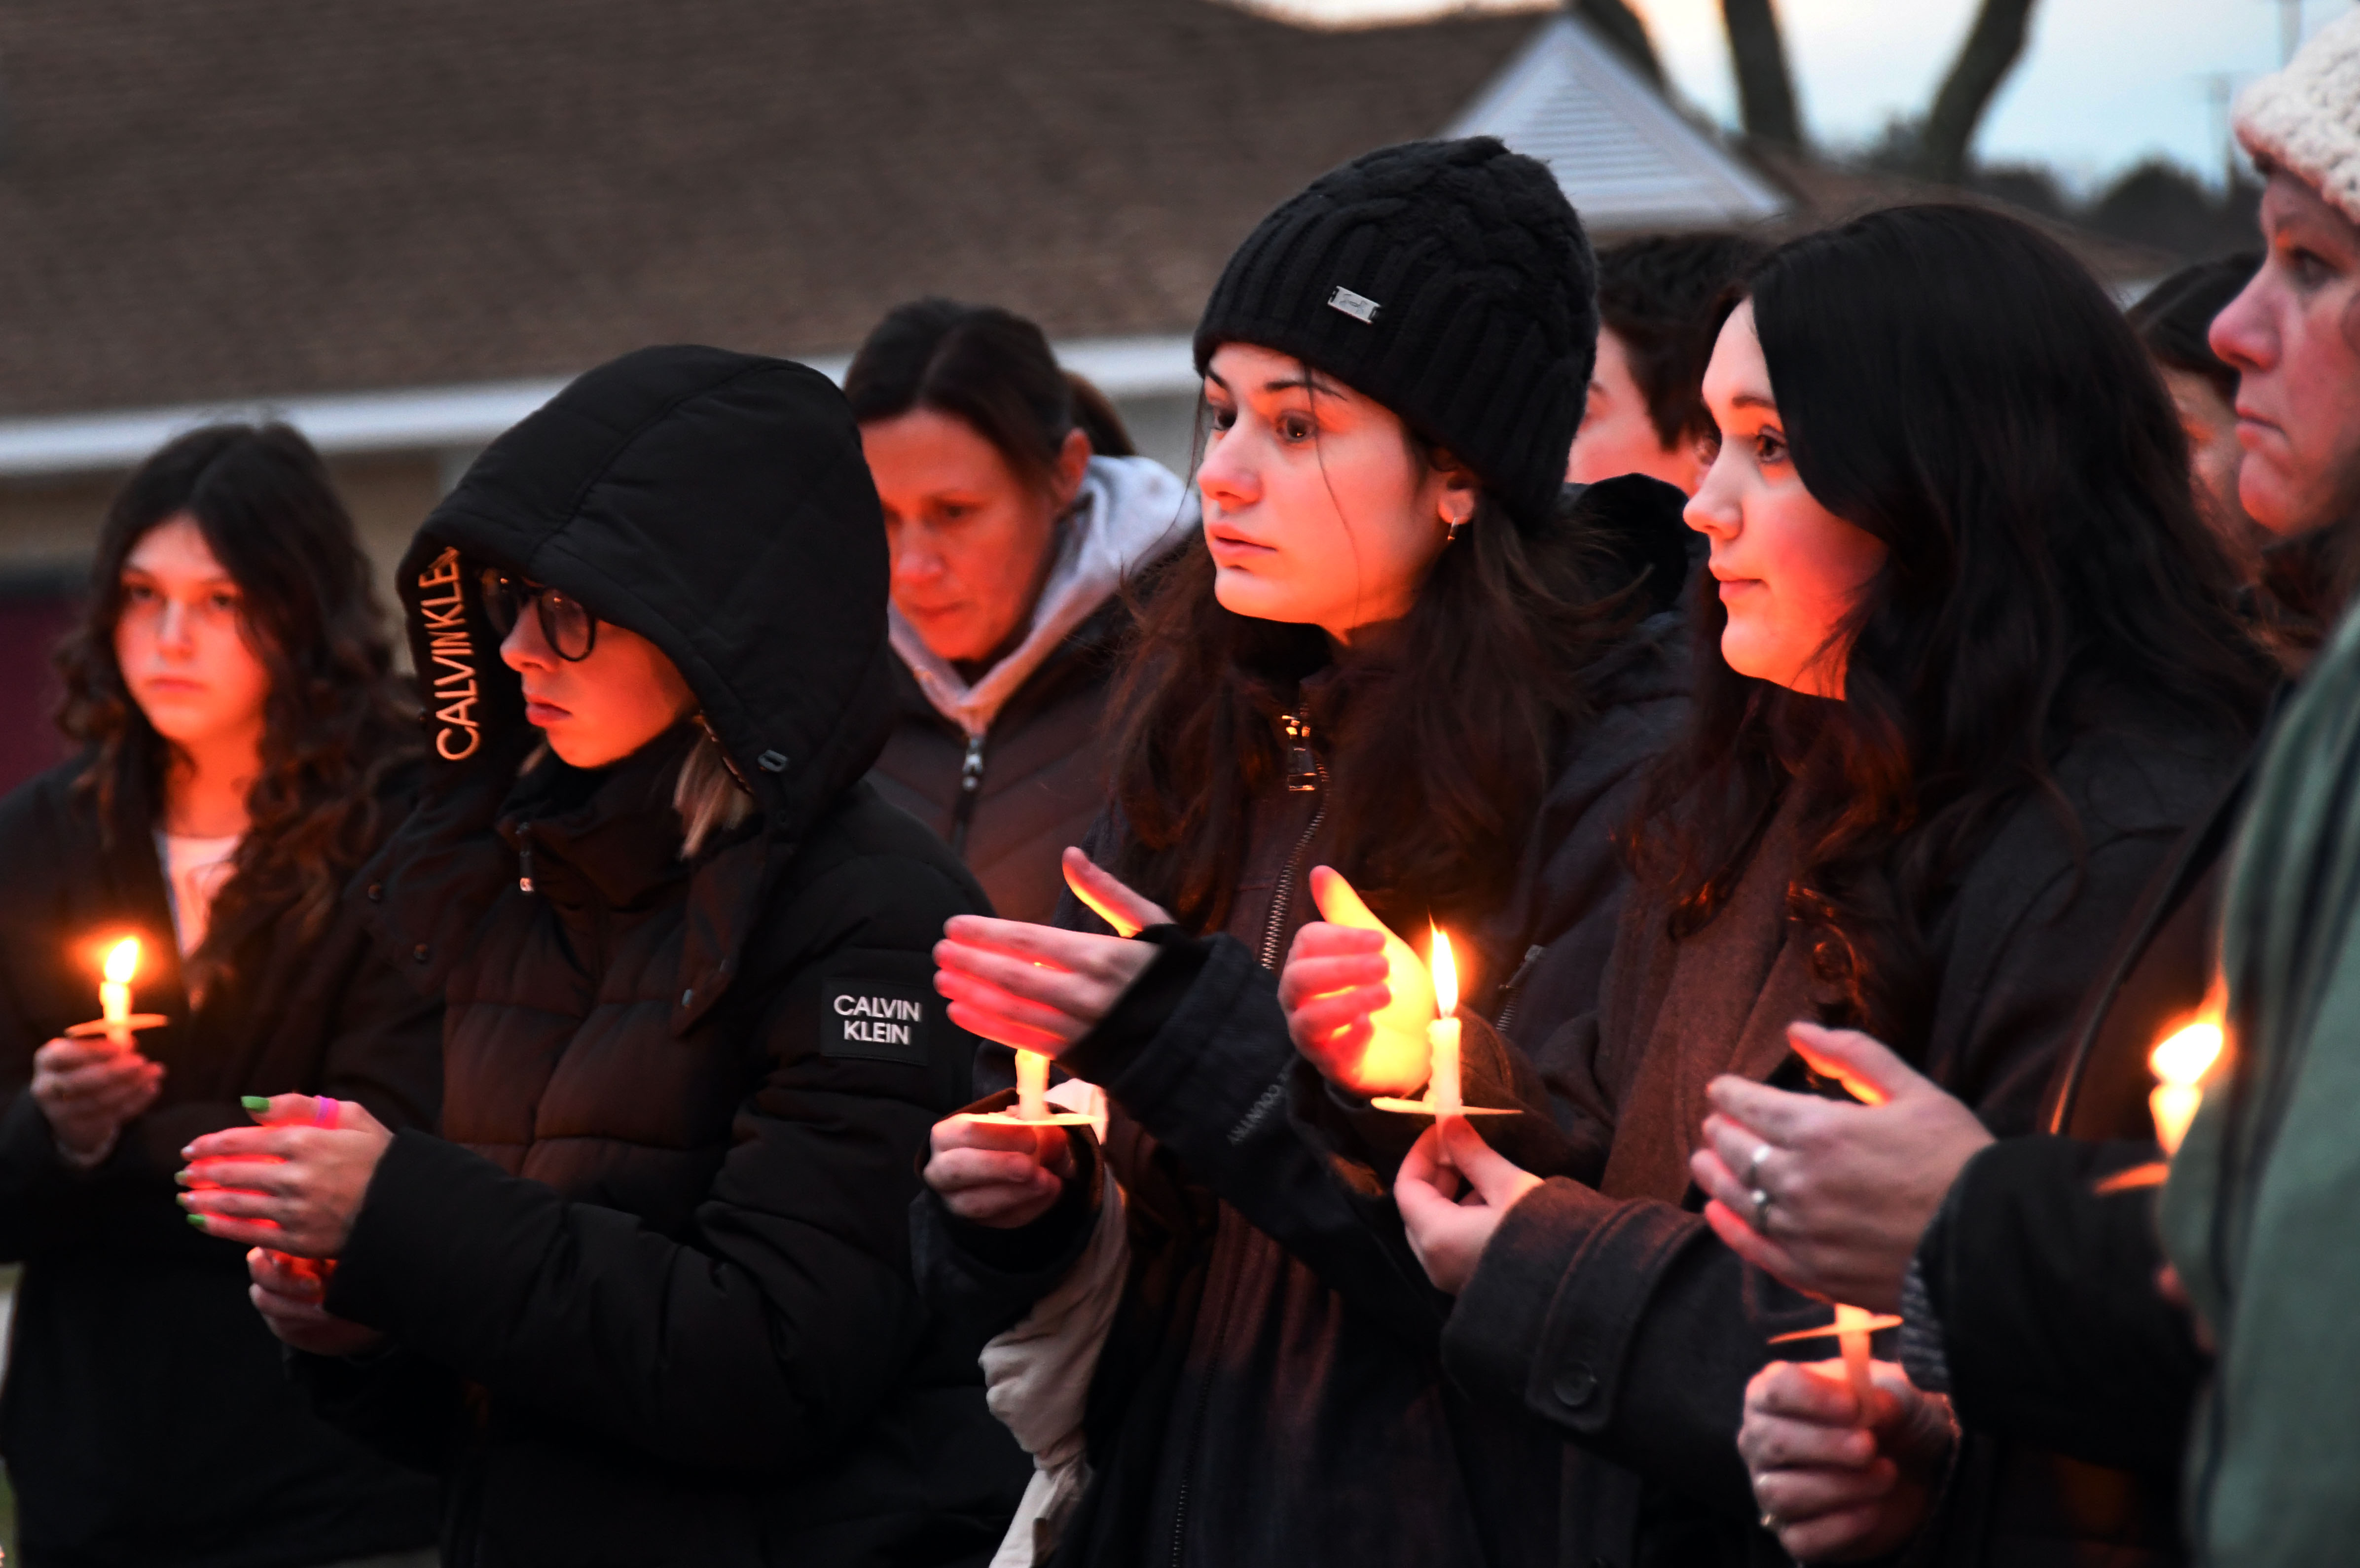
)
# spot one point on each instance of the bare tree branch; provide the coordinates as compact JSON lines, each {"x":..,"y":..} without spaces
{"x":1766,"y":88}
{"x":1621,"y":26}
{"x":1992,"y":47}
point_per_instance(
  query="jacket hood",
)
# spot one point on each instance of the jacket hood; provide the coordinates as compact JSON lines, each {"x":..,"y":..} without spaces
{"x":718,"y":505}
{"x":1129,"y":511}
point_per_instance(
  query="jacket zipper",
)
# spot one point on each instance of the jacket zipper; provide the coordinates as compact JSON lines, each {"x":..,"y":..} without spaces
{"x":1508,"y":992}
{"x":1306,"y":774}
{"x":524,"y":858}
{"x":970,"y":790}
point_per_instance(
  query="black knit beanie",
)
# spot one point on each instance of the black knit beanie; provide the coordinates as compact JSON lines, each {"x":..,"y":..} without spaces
{"x":1450,"y":281}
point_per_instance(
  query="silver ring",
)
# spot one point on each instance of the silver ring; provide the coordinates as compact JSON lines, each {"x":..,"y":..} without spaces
{"x":1762,"y":1211}
{"x":1769,"y":1519}
{"x":1754,"y":1167}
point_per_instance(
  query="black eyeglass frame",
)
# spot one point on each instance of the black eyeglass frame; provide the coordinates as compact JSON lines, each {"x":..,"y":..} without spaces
{"x":504,"y":600}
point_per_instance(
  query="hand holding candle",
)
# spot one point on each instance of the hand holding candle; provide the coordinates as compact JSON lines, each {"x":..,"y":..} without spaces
{"x":92,"y":1080}
{"x":1850,"y":1331}
{"x":1444,"y":1095}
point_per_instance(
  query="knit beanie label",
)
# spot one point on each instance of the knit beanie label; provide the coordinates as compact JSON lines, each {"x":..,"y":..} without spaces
{"x":1448,"y":280}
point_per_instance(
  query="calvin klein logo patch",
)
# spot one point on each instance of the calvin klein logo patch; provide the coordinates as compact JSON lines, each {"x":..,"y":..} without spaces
{"x":451,"y":672}
{"x":875,"y":1022}
{"x":1359,"y":306}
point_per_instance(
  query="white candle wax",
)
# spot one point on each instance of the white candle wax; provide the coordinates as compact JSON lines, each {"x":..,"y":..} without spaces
{"x":1442,"y":1043}
{"x":1032,"y":1085}
{"x":115,"y":990}
{"x":1851,"y":1335}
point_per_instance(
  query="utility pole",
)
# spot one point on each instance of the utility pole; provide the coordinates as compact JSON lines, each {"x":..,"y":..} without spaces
{"x":2289,"y":29}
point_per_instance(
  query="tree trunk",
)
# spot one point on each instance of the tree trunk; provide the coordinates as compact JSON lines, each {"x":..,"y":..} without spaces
{"x":1766,"y":88}
{"x":1991,"y":51}
{"x":1621,"y":28}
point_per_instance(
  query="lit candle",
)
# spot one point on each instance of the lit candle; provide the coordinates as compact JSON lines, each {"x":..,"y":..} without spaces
{"x":2181,"y":1062}
{"x":1031,"y":1086}
{"x":1854,"y":1325}
{"x":1851,"y":1331}
{"x":114,"y":991}
{"x":1442,"y":1034}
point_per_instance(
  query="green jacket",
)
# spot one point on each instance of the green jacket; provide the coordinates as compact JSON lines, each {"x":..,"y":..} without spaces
{"x":2261,"y":1216}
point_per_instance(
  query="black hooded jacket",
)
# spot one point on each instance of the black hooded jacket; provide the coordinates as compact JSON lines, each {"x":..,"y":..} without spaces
{"x":651,"y":1302}
{"x":133,"y":1337}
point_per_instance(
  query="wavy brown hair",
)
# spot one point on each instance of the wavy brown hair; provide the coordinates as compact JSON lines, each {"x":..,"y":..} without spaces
{"x":1431,"y":807}
{"x":1953,"y":382}
{"x":336,"y":719}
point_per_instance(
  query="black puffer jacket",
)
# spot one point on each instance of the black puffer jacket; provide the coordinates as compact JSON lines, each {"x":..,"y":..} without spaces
{"x":133,"y":1332}
{"x":652,"y":1302}
{"x":1272,"y":1389}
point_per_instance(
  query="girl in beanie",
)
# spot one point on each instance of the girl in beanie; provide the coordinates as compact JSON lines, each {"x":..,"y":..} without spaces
{"x":1389,"y":655}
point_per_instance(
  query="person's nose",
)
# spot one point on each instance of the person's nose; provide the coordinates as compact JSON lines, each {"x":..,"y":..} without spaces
{"x":915,"y":560}
{"x":524,"y":647}
{"x":175,"y":630}
{"x":1225,"y":478}
{"x":1714,"y":510}
{"x":2241,"y":334}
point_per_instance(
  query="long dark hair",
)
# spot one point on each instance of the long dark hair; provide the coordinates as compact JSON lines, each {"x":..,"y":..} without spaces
{"x":989,"y":367}
{"x":1953,"y":382}
{"x":1431,"y":804}
{"x":335,"y":721}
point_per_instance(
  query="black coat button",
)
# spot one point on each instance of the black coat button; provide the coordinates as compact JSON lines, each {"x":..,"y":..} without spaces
{"x":377,"y":892}
{"x":1576,"y":1384}
{"x":419,"y":952}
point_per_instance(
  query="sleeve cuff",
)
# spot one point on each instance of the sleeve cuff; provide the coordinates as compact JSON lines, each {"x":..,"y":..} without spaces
{"x":1144,"y":1009}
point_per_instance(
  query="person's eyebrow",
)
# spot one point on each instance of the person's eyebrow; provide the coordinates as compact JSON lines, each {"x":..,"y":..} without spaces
{"x":1753,"y":400}
{"x":1303,"y":382}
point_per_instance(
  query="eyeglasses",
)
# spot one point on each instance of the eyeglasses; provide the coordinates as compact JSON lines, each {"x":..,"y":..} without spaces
{"x":566,"y":624}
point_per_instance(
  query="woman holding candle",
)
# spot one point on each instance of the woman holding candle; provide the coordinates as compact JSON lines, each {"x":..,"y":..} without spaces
{"x":651,"y":1301}
{"x":1968,"y":665}
{"x":1388,"y":655}
{"x":2035,"y":1302}
{"x":245,"y":748}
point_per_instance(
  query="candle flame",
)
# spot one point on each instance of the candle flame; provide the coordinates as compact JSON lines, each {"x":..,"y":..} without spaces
{"x":123,"y":960}
{"x":1446,"y":975}
{"x":2184,"y":1057}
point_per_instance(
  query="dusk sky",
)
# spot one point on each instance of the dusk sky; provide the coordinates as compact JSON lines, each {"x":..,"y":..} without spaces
{"x":2104,"y":82}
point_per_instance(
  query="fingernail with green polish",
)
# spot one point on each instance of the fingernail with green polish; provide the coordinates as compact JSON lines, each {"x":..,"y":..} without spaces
{"x":198,"y":1221}
{"x":254,"y":1102}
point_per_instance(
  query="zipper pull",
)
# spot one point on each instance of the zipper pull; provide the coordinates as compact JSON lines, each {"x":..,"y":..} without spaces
{"x":971,"y":792}
{"x":1507,"y":996}
{"x":1302,"y":762}
{"x":524,"y":858}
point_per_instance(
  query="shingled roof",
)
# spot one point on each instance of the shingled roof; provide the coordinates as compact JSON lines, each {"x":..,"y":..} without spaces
{"x":244,"y":198}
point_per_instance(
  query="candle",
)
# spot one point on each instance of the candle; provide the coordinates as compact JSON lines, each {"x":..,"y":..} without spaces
{"x":2181,"y":1062}
{"x":1851,"y":1331}
{"x":114,"y":991}
{"x":1442,"y":1034}
{"x":1031,"y":1086}
{"x":1854,"y":1325}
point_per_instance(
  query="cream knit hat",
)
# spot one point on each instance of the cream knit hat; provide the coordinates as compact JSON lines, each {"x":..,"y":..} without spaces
{"x":2306,"y":118}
